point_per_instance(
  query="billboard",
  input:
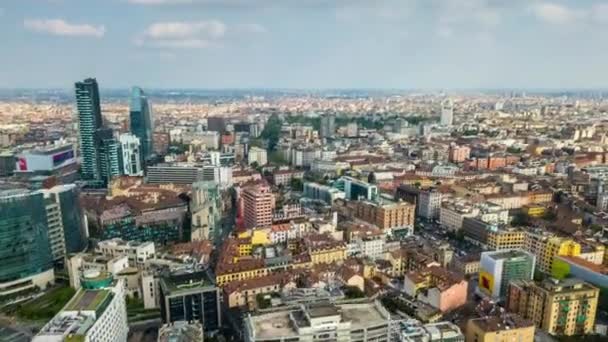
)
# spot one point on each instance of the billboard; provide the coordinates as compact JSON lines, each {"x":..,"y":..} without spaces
{"x":61,"y":157}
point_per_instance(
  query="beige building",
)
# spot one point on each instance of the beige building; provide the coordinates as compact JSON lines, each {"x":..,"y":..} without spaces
{"x":500,"y":328}
{"x":560,"y":307}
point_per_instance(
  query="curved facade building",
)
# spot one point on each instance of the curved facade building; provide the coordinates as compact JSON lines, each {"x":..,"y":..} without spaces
{"x":25,"y":252}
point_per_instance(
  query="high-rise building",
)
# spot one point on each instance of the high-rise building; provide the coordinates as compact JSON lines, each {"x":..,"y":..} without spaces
{"x":131,"y":154}
{"x":142,"y":123}
{"x":97,"y":312}
{"x":500,"y":328}
{"x":447,"y":113}
{"x":559,"y":307}
{"x":89,"y":119}
{"x":498,"y":269}
{"x":58,"y":160}
{"x":328,"y":126}
{"x":191,"y":297}
{"x":216,"y":124}
{"x":26,"y":261}
{"x":65,"y":220}
{"x":177,"y":174}
{"x":258,"y":203}
{"x":110,"y":155}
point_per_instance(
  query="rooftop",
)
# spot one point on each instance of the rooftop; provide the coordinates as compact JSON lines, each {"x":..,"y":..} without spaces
{"x":186,"y":281}
{"x":88,"y":300}
{"x":509,"y":254}
{"x":499,"y":323}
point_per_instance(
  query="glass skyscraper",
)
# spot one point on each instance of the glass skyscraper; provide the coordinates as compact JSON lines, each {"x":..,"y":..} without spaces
{"x":141,"y":121}
{"x":25,"y":250}
{"x":109,"y":153}
{"x":89,"y":118}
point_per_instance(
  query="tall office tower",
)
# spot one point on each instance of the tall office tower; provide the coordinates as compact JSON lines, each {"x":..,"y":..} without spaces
{"x":328,"y":126}
{"x":258,"y":203}
{"x":25,"y":253}
{"x":110,"y":155}
{"x":89,"y":119}
{"x":447,"y":112}
{"x":131,"y":154}
{"x":142,"y":123}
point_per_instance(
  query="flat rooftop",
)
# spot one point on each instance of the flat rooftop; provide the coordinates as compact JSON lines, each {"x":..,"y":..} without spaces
{"x":88,"y":300}
{"x":279,"y":324}
{"x":186,"y":281}
{"x":512,"y":254}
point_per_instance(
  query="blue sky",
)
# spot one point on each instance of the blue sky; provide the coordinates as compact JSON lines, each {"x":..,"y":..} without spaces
{"x":439,"y":44}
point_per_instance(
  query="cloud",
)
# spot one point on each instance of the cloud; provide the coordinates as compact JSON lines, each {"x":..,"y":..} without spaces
{"x":192,"y":34}
{"x":59,"y":27}
{"x":600,"y":13}
{"x":557,"y":14}
{"x":445,"y":32}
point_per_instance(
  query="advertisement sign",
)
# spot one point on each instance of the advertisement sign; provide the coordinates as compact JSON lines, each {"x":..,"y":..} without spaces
{"x":62,"y":157}
{"x":22,"y":164}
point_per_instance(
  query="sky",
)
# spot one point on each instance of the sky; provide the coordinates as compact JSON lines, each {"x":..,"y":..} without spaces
{"x":316,"y":44}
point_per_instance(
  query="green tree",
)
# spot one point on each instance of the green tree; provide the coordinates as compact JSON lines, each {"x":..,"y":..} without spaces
{"x":296,"y":184}
{"x":272,"y":131}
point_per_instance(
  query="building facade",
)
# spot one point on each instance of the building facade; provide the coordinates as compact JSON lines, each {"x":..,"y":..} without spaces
{"x":142,"y":122}
{"x":89,"y":120}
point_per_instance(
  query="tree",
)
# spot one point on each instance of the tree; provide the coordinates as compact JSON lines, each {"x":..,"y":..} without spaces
{"x":272,"y":131}
{"x":296,"y":184}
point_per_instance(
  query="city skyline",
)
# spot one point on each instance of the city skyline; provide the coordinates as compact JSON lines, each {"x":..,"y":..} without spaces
{"x":206,"y":44}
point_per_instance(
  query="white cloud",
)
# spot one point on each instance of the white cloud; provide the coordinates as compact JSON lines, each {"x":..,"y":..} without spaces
{"x":557,"y":14}
{"x":600,"y":13}
{"x":192,"y":34}
{"x":59,"y":27}
{"x":186,"y":30}
{"x":445,"y":32}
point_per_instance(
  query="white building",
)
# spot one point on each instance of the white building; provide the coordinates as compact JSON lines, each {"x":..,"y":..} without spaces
{"x":97,"y":312}
{"x":451,"y":214}
{"x":219,"y":174}
{"x":345,"y":322}
{"x":429,"y":203}
{"x":447,"y":113}
{"x":131,"y":154}
{"x":137,"y":252}
{"x":80,"y":263}
{"x":257,"y":155}
{"x":304,"y":156}
{"x":352,"y":130}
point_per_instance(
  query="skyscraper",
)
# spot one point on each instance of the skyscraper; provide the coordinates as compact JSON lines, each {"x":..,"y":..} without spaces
{"x":89,"y":118}
{"x":131,"y":154}
{"x":328,"y":126}
{"x":447,"y":112}
{"x":141,"y":121}
{"x":110,"y":155}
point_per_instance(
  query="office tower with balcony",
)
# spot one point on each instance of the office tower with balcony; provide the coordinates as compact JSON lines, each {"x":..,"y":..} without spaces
{"x":89,"y":119}
{"x":142,"y":124}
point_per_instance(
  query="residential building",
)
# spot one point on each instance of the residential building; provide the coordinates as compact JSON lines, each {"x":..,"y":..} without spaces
{"x":452,"y":214}
{"x":498,"y":269}
{"x":467,"y":264}
{"x":257,"y":155}
{"x":244,"y":293}
{"x":89,"y":121}
{"x":137,"y":252}
{"x":328,"y":126}
{"x":508,"y":327}
{"x":438,"y":287}
{"x":559,"y":307}
{"x":317,"y":322}
{"x":258,"y":203}
{"x":386,"y":214}
{"x":458,"y":154}
{"x":97,"y":312}
{"x":206,"y":208}
{"x":142,"y":122}
{"x":545,"y":246}
{"x":190,"y":297}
